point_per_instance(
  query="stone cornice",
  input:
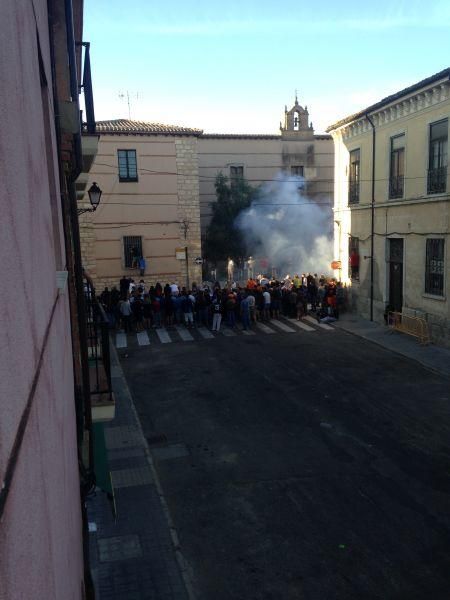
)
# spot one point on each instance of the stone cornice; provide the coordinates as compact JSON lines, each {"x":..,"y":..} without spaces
{"x":406,"y":106}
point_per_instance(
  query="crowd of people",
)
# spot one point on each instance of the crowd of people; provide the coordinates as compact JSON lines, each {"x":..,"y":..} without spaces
{"x":134,"y":307}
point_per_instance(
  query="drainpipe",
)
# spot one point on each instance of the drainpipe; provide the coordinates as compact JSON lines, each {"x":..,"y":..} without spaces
{"x":372,"y":217}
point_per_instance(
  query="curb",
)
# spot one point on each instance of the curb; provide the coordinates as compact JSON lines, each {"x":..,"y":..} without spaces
{"x":185,"y":570}
{"x":395,"y":351}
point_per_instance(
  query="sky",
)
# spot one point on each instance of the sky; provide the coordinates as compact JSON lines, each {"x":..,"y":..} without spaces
{"x":231,"y":67}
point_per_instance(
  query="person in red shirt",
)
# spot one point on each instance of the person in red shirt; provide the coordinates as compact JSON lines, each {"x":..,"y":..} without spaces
{"x":354,"y":264}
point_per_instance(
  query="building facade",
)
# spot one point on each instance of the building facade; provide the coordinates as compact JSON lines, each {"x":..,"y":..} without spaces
{"x":392,"y":204}
{"x":44,"y":391}
{"x":150,"y":205}
{"x":297,"y":150}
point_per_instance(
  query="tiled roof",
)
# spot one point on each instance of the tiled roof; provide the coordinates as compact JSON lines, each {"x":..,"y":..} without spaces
{"x":253,"y":136}
{"x":409,"y":90}
{"x":126,"y":126}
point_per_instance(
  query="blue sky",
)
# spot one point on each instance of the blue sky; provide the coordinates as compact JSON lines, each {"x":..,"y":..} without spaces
{"x":232,"y":66}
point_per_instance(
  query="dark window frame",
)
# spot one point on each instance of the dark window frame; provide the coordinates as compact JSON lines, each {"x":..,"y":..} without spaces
{"x":128,"y":243}
{"x":397,"y":164}
{"x":300,"y":168}
{"x":236,"y":174}
{"x":354,"y":176}
{"x":131,"y":170}
{"x":437,"y":159}
{"x":434,"y":266}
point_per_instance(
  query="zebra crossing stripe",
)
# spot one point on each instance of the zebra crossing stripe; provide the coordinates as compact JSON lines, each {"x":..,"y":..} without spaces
{"x":301,"y":325}
{"x":184,"y":333}
{"x":163,"y":335}
{"x":227,"y":332}
{"x":264,"y":328}
{"x":321,"y":325}
{"x":282,"y":326}
{"x":248,"y":332}
{"x":121,"y":340}
{"x":205,"y":333}
{"x":143,"y":339}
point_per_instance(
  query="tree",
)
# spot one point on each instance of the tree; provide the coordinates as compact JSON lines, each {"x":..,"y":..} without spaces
{"x":223,"y":239}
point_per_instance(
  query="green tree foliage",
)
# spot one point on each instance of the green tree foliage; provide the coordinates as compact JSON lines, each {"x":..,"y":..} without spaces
{"x":223,"y":238}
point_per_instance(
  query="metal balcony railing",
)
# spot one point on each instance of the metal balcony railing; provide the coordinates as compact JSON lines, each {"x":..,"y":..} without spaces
{"x":396,"y":186}
{"x":353,"y":192}
{"x":98,"y":348}
{"x":437,"y":180}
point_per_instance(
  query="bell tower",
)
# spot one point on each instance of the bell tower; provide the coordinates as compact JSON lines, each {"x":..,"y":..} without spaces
{"x":296,"y":123}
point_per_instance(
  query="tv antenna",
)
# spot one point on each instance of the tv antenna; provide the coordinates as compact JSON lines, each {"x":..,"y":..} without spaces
{"x":126,"y":96}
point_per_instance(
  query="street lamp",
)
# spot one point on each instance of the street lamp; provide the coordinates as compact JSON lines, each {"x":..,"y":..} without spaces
{"x":94,"y":193}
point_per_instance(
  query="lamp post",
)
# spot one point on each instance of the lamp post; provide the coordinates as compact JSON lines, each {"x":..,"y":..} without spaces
{"x":94,"y":193}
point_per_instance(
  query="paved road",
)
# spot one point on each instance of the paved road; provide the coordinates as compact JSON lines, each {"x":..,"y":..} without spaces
{"x":311,"y":466}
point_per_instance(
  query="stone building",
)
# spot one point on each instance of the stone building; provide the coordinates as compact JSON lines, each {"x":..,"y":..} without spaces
{"x":392,"y":206}
{"x":148,"y":174}
{"x":297,"y":150}
{"x":158,"y":186}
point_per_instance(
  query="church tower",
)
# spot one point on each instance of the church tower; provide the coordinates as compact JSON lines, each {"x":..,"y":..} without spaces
{"x":296,"y":123}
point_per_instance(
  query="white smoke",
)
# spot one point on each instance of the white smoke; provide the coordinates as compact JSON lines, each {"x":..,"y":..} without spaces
{"x":290,"y":229}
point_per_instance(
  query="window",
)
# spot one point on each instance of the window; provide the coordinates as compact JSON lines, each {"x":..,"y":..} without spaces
{"x":434,"y":267}
{"x":297,"y":170}
{"x":127,"y":165}
{"x":132,"y":251}
{"x":236,"y":174}
{"x":437,"y":158}
{"x":397,"y":167}
{"x":353,"y":257}
{"x":353,"y":179}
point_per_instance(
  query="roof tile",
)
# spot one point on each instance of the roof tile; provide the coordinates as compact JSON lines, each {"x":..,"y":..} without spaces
{"x":143,"y":127}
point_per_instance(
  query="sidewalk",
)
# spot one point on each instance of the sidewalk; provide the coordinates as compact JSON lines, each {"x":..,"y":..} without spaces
{"x":432,"y":357}
{"x":135,"y":557}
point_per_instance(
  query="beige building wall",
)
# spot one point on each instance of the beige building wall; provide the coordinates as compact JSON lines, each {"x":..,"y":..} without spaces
{"x":262,"y":158}
{"x":162,"y":207}
{"x":416,"y":216}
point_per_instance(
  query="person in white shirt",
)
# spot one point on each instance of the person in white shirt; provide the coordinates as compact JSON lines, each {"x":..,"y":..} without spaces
{"x":266,"y":297}
{"x":174,"y":289}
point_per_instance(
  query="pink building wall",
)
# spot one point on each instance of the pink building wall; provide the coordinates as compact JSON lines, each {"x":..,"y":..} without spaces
{"x":40,"y":531}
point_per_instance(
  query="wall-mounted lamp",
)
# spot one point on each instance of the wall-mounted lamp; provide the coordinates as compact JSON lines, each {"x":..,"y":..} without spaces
{"x":94,"y":193}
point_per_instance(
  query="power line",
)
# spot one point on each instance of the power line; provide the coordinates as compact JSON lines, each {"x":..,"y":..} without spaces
{"x":273,"y":180}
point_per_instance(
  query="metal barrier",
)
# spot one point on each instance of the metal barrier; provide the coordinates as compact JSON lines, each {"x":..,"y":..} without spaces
{"x":415,"y":326}
{"x":98,"y":352}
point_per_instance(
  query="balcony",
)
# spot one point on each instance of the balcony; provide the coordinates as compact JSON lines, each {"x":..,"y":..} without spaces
{"x":102,"y":397}
{"x":396,"y":186}
{"x":353,"y":192}
{"x":437,"y":180}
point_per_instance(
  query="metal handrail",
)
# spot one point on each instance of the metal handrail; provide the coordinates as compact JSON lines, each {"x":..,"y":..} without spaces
{"x":98,"y":344}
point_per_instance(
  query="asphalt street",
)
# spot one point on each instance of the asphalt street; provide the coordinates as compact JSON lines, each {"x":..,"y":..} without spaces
{"x":300,"y":466}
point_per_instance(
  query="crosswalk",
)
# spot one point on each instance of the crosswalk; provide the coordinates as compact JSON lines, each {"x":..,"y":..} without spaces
{"x":179,"y":333}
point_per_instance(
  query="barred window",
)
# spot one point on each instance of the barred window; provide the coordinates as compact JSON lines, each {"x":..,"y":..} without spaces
{"x":434,"y":267}
{"x":132,"y":251}
{"x":127,"y":165}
